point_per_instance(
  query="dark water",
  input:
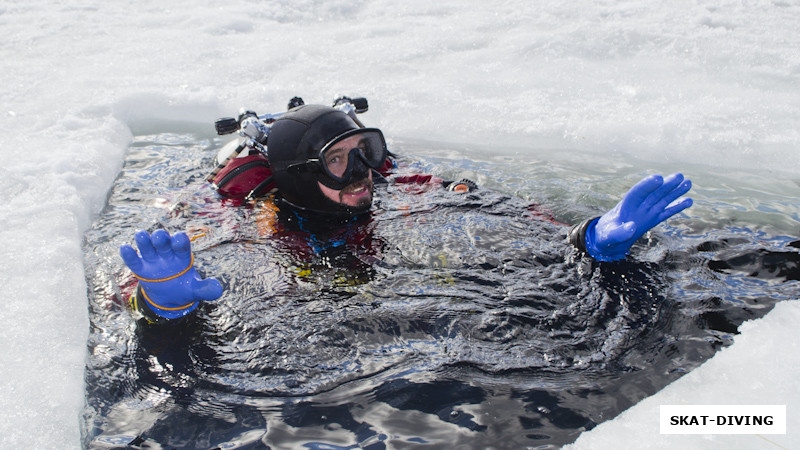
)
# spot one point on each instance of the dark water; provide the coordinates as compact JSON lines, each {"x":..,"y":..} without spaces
{"x":440,"y":320}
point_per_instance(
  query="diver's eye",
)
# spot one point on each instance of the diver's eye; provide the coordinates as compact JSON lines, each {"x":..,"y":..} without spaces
{"x":336,"y":161}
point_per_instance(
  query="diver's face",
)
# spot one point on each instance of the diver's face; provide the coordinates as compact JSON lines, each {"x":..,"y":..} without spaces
{"x":357,"y":193}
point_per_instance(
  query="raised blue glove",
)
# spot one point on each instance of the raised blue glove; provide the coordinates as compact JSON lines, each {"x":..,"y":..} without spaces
{"x":646,"y":205}
{"x":172,"y":287}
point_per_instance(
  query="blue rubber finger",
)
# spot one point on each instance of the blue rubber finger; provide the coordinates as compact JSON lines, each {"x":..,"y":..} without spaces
{"x":130,"y":258}
{"x":657,"y":197}
{"x":208,"y":289}
{"x":675,"y":209}
{"x":181,"y":245}
{"x":673,"y":195}
{"x":638,"y":193}
{"x":145,"y":245}
{"x":161,"y":242}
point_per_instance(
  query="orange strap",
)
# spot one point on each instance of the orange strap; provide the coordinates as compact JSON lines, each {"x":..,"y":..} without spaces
{"x":176,"y":308}
{"x":191,"y":263}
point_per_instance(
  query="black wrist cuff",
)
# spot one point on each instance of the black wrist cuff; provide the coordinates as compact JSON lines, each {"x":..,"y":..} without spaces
{"x":577,"y":234}
{"x":138,"y":304}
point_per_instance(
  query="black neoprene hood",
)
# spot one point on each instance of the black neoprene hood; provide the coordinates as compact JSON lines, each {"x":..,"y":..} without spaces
{"x":298,"y":136}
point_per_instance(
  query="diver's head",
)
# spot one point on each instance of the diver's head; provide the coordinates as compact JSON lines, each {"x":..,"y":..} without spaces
{"x":322,"y":160}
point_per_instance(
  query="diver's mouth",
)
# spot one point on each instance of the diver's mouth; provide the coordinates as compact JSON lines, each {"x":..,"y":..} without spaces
{"x":358,"y":191}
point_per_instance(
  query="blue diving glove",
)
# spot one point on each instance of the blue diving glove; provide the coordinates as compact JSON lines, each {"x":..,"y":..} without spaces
{"x":646,"y":205}
{"x":172,"y":287}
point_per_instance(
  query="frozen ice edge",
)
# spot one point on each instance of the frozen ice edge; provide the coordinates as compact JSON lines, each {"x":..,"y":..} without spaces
{"x":760,"y":368}
{"x":721,"y":93}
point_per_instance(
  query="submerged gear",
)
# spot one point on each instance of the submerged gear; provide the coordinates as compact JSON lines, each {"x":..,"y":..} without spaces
{"x":295,"y":150}
{"x":461,"y":186}
{"x":245,"y":178}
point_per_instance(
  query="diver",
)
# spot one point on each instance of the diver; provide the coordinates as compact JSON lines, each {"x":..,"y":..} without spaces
{"x":323,"y":163}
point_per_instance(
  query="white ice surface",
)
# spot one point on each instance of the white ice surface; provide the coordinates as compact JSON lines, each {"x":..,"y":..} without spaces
{"x":709,"y":85}
{"x":759,"y":369}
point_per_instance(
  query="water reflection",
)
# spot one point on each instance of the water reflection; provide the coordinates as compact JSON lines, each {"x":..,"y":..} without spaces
{"x":436,"y":320}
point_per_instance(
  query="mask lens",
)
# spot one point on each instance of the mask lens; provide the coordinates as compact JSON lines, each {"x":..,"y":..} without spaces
{"x":336,"y":160}
{"x":339,"y":156}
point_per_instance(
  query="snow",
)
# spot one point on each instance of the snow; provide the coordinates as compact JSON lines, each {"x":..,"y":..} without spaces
{"x":759,"y":369}
{"x":710,"y":86}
